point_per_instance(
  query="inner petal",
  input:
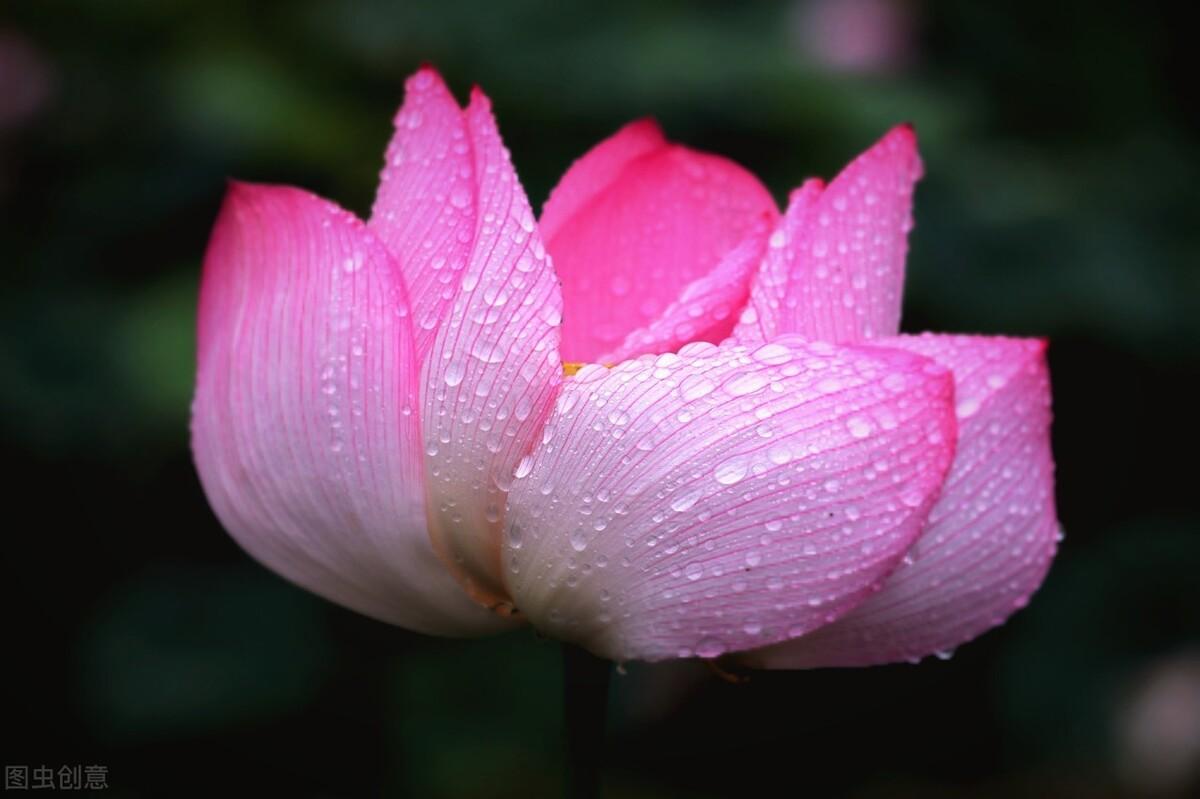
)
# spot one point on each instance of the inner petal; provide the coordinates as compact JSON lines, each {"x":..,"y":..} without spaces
{"x":666,"y":219}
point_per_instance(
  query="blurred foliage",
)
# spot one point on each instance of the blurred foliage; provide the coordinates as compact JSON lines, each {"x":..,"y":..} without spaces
{"x":1060,"y":143}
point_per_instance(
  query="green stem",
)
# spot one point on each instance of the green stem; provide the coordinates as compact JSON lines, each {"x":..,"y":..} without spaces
{"x":585,"y":702}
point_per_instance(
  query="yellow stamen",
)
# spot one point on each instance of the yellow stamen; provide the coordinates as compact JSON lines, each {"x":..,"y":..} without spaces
{"x":571,"y":367}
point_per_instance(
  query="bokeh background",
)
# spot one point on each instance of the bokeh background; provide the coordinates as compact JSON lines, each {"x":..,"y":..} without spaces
{"x":1060,"y":140}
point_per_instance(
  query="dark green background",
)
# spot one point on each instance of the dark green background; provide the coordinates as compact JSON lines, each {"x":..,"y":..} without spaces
{"x":1060,"y":141}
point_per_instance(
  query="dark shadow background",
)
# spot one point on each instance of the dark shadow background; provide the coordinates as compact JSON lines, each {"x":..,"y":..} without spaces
{"x":1060,"y":140}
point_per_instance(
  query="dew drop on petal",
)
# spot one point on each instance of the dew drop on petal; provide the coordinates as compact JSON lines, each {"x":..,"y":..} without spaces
{"x":731,"y":471}
{"x":454,"y":373}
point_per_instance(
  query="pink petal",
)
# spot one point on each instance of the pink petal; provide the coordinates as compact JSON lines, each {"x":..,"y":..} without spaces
{"x":425,"y":208}
{"x":493,"y":370}
{"x":835,"y":270}
{"x":706,"y":308}
{"x":305,"y":419}
{"x":766,"y":314}
{"x":597,"y":170}
{"x":636,"y":222}
{"x":721,"y":499}
{"x":990,"y":536}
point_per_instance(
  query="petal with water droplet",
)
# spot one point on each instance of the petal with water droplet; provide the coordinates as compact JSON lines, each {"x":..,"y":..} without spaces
{"x":991,"y":535}
{"x":655,"y":245}
{"x":305,"y":418}
{"x":492,"y":371}
{"x":835,"y":267}
{"x":706,"y":308}
{"x":425,"y":206}
{"x":710,"y":487}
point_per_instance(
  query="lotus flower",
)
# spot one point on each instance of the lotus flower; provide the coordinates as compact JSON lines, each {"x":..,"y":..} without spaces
{"x":392,"y":413}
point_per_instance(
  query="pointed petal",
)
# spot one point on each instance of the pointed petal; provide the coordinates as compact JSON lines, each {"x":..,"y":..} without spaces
{"x":493,"y":370}
{"x":721,"y":499}
{"x":990,"y":536}
{"x":766,"y":314}
{"x":838,"y":272}
{"x":425,"y":206}
{"x":633,"y":225}
{"x":305,"y":423}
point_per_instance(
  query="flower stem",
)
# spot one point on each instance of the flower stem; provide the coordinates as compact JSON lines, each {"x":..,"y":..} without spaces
{"x":585,"y":702}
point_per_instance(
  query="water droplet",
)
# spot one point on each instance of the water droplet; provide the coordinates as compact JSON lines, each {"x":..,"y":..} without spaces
{"x":746,"y":383}
{"x":773,"y":354}
{"x":454,"y":373}
{"x":694,"y":571}
{"x":487,"y":351}
{"x":682,"y":503}
{"x":731,"y":471}
{"x":859,"y":427}
{"x":693,"y":387}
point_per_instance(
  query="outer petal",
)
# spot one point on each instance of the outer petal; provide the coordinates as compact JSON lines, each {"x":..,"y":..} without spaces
{"x":990,"y":536}
{"x":633,"y":225}
{"x":305,"y":423}
{"x":835,"y":271}
{"x":722,"y":499}
{"x":425,"y":209}
{"x":493,"y":370}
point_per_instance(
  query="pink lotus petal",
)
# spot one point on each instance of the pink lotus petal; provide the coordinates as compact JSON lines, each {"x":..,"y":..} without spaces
{"x":990,"y":536}
{"x":425,"y":208}
{"x":305,"y":419}
{"x":633,"y":224}
{"x":767,"y":314}
{"x":597,"y":170}
{"x":720,"y":499}
{"x":493,"y":369}
{"x":706,"y":308}
{"x":835,"y":271}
